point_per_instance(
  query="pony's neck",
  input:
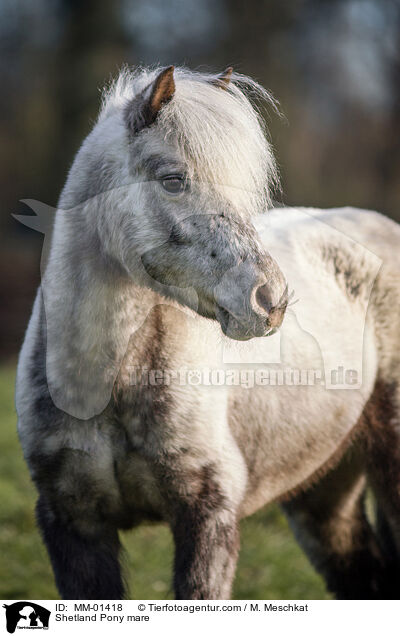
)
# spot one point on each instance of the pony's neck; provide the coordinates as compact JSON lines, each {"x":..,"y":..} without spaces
{"x":92,"y":309}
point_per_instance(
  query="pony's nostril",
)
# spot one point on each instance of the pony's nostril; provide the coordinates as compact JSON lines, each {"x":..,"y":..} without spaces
{"x":274,"y":308}
{"x":264,"y":298}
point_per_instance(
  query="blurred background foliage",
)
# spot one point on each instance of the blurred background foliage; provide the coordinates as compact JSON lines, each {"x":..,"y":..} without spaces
{"x":334,"y":66}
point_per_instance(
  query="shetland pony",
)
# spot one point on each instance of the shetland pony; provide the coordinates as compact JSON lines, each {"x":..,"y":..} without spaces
{"x":169,"y":373}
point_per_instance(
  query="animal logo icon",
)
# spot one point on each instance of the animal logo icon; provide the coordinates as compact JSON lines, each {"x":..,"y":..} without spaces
{"x":25,"y":614}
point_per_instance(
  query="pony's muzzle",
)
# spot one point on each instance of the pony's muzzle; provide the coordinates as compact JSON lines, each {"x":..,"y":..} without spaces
{"x":253,"y":307}
{"x":272,"y":305}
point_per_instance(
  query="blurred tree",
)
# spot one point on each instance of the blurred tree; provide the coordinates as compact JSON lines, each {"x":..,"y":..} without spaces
{"x":388,"y":163}
{"x":92,"y":47}
{"x":56,"y":55}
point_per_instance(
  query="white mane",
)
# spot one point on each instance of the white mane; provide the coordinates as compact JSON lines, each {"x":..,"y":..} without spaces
{"x":220,"y":132}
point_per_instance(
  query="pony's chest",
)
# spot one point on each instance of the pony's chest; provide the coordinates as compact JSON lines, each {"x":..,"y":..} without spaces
{"x":171,"y":451}
{"x":135,"y":464}
{"x":144,"y":411}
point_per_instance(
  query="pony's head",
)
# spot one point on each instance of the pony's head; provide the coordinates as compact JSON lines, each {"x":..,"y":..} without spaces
{"x":173,"y":172}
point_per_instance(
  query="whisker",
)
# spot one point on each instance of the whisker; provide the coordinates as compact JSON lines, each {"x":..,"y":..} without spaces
{"x":287,"y":300}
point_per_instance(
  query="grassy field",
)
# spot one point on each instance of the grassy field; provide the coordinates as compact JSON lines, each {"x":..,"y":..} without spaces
{"x":271,"y":565}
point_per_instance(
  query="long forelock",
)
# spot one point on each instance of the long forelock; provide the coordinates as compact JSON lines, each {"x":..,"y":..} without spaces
{"x":219,"y":130}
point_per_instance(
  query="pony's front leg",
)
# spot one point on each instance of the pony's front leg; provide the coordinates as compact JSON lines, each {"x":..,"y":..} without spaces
{"x":206,"y":551}
{"x":85,"y":566}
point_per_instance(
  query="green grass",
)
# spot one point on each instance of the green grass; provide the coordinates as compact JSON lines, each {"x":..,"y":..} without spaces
{"x":271,"y":565}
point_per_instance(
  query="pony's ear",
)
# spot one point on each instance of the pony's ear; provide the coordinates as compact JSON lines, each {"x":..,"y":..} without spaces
{"x":223,"y":78}
{"x":142,"y":111}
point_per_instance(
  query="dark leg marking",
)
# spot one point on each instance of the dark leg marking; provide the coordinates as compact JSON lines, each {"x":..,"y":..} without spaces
{"x":84,"y":567}
{"x":382,"y":452}
{"x":330,"y":523}
{"x":206,"y":536}
{"x":206,"y":556}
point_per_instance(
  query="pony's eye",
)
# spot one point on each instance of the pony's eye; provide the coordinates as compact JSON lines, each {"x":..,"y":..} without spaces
{"x":174,"y":183}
